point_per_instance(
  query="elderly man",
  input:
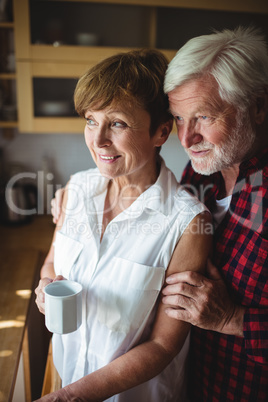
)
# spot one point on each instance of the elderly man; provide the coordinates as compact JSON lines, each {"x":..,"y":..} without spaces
{"x":218,"y":93}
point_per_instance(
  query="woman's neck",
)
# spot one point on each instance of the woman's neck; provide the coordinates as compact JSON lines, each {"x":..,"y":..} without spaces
{"x":122,"y":192}
{"x":133,"y":186}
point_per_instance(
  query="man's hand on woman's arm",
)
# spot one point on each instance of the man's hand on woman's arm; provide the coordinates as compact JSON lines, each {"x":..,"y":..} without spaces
{"x":203,"y":301}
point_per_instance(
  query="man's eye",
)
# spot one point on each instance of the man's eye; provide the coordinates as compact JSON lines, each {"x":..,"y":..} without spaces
{"x":205,"y":118}
{"x":179,"y":119}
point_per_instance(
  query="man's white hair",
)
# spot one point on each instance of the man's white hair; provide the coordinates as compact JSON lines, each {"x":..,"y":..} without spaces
{"x":237,"y":59}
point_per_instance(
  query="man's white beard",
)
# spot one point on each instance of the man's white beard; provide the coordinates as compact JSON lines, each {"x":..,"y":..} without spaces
{"x":230,"y":152}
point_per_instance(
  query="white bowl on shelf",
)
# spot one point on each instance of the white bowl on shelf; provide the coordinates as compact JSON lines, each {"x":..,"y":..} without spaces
{"x":87,"y":39}
{"x":54,"y":108}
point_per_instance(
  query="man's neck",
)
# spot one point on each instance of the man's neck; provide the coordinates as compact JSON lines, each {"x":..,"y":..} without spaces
{"x":229,"y":178}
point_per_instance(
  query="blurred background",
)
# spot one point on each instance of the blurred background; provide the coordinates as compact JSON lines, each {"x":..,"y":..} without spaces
{"x":45,"y":46}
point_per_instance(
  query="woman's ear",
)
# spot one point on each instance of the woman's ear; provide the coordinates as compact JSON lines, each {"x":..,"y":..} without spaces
{"x":163,"y":132}
{"x":260,"y":107}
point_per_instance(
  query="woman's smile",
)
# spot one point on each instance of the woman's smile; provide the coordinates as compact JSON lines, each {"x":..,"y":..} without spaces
{"x":108,"y":159}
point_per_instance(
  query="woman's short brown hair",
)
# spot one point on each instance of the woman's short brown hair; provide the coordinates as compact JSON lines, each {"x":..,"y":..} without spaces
{"x":135,"y":77}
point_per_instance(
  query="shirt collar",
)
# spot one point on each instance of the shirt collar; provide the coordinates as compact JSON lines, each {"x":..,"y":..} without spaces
{"x":160,"y":195}
{"x":246,"y":169}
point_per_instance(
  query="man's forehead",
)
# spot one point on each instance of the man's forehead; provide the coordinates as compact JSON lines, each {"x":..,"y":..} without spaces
{"x":194,"y":89}
{"x":198,"y":93}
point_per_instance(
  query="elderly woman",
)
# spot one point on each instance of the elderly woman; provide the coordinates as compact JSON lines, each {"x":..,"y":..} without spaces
{"x":125,"y":226}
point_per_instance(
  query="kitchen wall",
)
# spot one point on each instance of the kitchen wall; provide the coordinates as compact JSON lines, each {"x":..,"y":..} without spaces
{"x":67,"y":154}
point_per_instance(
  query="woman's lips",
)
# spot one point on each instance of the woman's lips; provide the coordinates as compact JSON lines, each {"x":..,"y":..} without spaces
{"x":109,"y":158}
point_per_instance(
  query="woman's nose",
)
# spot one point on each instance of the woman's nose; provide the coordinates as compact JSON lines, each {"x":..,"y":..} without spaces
{"x":102,"y":137}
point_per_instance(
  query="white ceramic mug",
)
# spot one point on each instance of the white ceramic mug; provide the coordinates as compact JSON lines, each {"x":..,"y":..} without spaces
{"x":63,"y":306}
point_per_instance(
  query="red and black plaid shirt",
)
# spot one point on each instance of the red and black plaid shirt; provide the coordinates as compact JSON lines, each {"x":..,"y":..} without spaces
{"x":224,"y":367}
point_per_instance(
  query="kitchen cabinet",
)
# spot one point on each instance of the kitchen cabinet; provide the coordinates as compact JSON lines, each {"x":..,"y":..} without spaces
{"x":8,"y":101}
{"x":33,"y":115}
{"x":56,"y":41}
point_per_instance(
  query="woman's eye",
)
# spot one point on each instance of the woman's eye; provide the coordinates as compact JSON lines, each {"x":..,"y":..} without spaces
{"x":90,"y":122}
{"x":119,"y":124}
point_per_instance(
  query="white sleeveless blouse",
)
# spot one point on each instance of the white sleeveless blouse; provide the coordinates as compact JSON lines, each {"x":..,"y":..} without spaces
{"x":121,"y":276}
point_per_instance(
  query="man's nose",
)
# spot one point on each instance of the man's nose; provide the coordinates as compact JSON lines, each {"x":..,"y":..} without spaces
{"x":189,"y":135}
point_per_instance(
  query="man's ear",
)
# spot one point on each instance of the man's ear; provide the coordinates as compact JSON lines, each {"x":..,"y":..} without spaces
{"x":260,"y":107}
{"x":163,"y":132}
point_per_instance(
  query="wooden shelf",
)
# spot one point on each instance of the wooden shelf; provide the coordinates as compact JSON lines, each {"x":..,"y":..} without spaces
{"x":80,"y":54}
{"x":7,"y":24}
{"x":8,"y":76}
{"x":8,"y":124}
